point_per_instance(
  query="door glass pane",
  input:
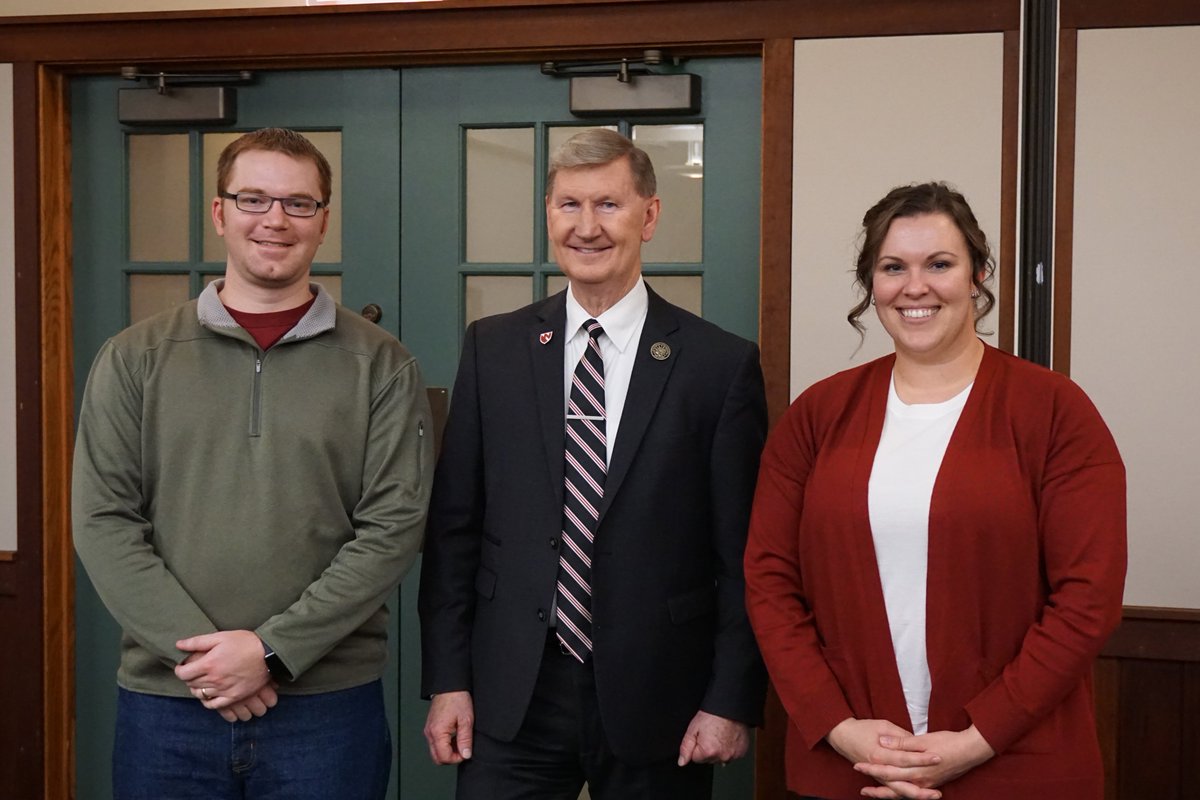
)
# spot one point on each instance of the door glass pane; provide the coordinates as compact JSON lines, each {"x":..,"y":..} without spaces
{"x":495,"y":294}
{"x":678,"y":155}
{"x":331,"y":284}
{"x":328,"y":142}
{"x":152,"y":293}
{"x":685,"y":291}
{"x":555,"y":284}
{"x":500,"y":195}
{"x":158,"y":197}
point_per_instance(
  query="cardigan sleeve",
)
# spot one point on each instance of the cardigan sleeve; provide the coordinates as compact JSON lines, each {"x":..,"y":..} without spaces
{"x":1081,"y":520}
{"x":775,"y":596}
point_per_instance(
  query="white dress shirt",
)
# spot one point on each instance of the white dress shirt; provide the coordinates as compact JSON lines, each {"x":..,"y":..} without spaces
{"x":622,"y":324}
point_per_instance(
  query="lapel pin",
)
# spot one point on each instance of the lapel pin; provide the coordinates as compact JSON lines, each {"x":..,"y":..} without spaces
{"x":545,"y":338}
{"x":660,"y":351}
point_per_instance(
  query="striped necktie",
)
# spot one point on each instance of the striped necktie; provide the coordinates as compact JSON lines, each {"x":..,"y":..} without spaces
{"x":584,"y":470}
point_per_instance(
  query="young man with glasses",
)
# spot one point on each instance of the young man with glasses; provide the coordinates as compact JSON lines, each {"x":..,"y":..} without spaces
{"x":251,"y":478}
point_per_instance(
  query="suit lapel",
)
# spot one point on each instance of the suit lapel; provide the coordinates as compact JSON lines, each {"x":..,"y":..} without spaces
{"x":547,"y":361}
{"x":645,"y":388}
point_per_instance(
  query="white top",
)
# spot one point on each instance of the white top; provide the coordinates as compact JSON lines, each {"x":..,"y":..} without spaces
{"x":622,"y":325}
{"x":910,"y":454}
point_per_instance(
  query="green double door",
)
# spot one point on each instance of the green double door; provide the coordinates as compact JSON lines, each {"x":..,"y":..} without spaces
{"x":439,"y":174}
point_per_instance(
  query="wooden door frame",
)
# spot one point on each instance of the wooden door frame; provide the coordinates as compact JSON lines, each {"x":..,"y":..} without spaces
{"x":48,"y":51}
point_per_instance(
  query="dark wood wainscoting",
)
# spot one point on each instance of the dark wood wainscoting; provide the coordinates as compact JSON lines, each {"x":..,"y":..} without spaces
{"x":1147,"y":684}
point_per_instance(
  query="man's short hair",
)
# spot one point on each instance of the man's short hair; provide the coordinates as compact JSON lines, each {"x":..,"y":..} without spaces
{"x":596,"y":147}
{"x":276,"y":140}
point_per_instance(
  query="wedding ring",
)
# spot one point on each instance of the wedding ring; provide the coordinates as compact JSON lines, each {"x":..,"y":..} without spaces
{"x":204,"y":692}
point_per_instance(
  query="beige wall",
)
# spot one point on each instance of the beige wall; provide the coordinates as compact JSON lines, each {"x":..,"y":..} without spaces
{"x":8,"y":392}
{"x":1135,"y":273}
{"x":871,"y":114}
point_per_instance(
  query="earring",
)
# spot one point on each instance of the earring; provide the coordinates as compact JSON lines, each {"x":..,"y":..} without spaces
{"x":974,"y":294}
{"x":872,"y":299}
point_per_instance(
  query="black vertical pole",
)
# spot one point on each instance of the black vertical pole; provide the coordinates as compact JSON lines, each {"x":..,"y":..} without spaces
{"x":1037,"y":181}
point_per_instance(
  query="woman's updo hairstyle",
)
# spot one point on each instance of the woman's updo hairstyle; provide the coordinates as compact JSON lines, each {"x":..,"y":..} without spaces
{"x":914,"y":201}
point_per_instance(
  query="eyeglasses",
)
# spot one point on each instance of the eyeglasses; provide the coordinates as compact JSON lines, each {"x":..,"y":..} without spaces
{"x":254,"y":203}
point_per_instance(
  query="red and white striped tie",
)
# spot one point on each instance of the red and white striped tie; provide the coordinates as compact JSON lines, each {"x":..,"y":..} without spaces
{"x":584,"y":471}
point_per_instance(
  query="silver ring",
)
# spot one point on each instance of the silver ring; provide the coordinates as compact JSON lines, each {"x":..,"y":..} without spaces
{"x":204,"y":693}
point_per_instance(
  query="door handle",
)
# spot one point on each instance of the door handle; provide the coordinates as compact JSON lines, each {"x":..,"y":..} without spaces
{"x":372,"y":312}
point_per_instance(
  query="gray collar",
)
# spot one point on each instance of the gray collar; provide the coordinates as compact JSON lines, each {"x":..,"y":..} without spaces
{"x":213,"y":315}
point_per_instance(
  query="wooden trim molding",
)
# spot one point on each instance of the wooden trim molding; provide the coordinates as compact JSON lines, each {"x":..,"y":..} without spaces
{"x":7,"y":555}
{"x":373,"y":35}
{"x":1010,"y":143}
{"x":1064,"y":201}
{"x":1160,"y":634}
{"x":1080,"y":14}
{"x":58,"y":561}
{"x":775,"y":327}
{"x":775,"y":286}
{"x":23,"y":771}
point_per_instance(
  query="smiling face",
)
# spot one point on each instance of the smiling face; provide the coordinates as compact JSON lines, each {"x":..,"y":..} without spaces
{"x":269,"y":254}
{"x":922,"y":288}
{"x":597,"y":223}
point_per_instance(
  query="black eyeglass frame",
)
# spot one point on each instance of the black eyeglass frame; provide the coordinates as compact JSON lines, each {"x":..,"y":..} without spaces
{"x":234,"y":196}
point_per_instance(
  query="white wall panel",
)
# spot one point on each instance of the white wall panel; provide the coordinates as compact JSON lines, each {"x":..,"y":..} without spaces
{"x":8,"y":329}
{"x":872,"y":114}
{"x":1134,"y":283}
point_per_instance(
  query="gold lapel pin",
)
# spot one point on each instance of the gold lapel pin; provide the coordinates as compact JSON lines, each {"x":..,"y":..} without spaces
{"x":660,"y":351}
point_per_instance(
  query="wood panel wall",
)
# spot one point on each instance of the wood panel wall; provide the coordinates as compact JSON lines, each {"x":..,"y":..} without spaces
{"x":21,"y":575}
{"x":1147,"y":679}
{"x":1147,"y":685}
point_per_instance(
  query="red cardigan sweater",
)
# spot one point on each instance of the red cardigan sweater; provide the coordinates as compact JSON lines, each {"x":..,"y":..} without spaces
{"x":1025,"y":580}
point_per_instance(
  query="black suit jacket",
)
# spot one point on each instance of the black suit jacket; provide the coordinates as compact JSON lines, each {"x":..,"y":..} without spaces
{"x":669,"y":629}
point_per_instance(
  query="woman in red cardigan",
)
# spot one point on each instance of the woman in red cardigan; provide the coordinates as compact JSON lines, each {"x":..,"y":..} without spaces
{"x":937,"y":547}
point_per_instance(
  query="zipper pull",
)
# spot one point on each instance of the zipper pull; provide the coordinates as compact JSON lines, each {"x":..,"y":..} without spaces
{"x":258,"y":365}
{"x":420,"y":428}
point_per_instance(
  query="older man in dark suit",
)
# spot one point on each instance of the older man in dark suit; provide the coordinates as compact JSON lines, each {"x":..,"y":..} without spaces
{"x":582,"y":613}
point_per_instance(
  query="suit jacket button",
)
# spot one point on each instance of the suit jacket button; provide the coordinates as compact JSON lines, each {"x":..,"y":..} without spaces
{"x":553,"y":543}
{"x":541,"y":615}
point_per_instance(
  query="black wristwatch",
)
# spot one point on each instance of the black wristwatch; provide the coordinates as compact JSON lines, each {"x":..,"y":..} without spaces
{"x":274,"y":663}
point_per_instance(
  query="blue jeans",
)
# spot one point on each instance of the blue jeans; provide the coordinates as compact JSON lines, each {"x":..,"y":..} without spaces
{"x":308,"y":747}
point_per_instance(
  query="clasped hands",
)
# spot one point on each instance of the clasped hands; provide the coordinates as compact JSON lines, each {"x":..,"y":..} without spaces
{"x":227,"y":673}
{"x":904,"y":765}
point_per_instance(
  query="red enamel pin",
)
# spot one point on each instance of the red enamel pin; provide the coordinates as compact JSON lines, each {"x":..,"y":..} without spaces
{"x":546,"y":337}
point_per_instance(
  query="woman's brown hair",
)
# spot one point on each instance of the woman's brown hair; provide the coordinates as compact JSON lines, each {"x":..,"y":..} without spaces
{"x":914,"y":201}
